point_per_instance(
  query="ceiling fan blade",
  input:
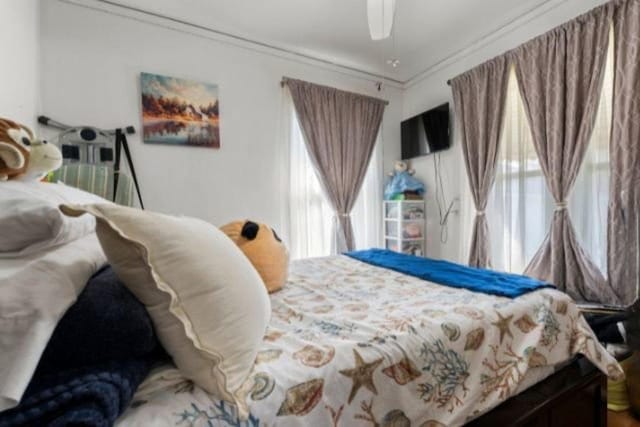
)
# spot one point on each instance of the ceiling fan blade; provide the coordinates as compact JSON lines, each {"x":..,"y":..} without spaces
{"x":380,"y":15}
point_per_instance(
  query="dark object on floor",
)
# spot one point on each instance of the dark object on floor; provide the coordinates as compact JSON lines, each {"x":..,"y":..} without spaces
{"x":605,"y":326}
{"x":106,"y":323}
{"x":632,"y":373}
{"x":632,"y":330}
{"x":93,"y":396}
{"x":573,"y":396}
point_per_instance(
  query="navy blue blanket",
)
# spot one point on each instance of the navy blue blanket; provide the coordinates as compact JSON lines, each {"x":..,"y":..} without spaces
{"x":106,"y":323}
{"x":93,"y":396}
{"x":451,"y":274}
{"x":99,"y":353}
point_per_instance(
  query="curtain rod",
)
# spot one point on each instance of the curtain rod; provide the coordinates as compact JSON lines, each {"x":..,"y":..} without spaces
{"x":284,"y":80}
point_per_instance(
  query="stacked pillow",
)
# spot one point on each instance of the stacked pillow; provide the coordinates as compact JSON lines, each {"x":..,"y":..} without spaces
{"x":45,"y":261}
{"x":30,"y":221}
{"x":208,"y":304}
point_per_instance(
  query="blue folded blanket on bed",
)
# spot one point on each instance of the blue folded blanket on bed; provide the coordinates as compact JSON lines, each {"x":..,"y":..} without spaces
{"x":451,"y":274}
{"x":101,"y":350}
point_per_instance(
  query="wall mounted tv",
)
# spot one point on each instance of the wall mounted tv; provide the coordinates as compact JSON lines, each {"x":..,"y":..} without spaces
{"x":426,"y":133}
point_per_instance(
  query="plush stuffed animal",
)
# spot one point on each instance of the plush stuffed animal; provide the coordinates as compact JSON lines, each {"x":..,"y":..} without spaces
{"x":22,"y":155}
{"x":401,"y":180}
{"x":401,"y":166}
{"x":264,"y":249}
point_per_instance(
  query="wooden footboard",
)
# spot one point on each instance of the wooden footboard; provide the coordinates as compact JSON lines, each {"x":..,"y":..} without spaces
{"x":574,"y":396}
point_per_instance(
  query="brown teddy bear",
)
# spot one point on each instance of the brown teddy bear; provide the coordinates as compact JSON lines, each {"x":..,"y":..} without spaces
{"x":264,"y":249}
{"x":22,"y":155}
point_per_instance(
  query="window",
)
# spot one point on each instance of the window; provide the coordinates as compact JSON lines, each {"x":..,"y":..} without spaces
{"x":310,"y":213}
{"x":520,"y":207}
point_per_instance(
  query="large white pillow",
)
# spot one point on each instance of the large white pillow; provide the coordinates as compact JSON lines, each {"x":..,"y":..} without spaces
{"x":30,"y":220}
{"x":208,"y":304}
{"x":35,"y":292}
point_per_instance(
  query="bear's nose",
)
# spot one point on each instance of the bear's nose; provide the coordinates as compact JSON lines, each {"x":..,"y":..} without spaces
{"x":250,"y":230}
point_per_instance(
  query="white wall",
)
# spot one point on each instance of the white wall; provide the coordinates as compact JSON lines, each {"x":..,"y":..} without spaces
{"x":93,"y":59}
{"x":19,"y":74}
{"x":431,"y":90}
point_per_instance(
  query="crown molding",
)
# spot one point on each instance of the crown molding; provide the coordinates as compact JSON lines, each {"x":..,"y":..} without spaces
{"x":485,"y":40}
{"x":280,"y":51}
{"x":113,"y":7}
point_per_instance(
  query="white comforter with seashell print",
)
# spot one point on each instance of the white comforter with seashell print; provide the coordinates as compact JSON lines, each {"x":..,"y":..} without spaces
{"x":353,"y":344}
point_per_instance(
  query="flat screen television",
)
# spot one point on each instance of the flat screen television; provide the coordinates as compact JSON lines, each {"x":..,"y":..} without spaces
{"x":426,"y":133}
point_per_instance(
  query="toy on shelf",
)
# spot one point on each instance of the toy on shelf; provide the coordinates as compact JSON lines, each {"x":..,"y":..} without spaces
{"x":402,"y":185}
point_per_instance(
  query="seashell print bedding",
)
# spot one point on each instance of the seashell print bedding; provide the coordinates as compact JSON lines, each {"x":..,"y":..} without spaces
{"x":350,"y":344}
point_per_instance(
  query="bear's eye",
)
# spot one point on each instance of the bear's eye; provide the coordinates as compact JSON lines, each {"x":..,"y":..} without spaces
{"x":26,"y":141}
{"x":276,"y":236}
{"x":250,"y":230}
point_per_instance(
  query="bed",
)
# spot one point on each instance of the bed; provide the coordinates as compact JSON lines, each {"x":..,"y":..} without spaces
{"x":354,"y":344}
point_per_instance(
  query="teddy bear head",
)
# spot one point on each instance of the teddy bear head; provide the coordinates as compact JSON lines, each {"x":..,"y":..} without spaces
{"x":264,"y":248}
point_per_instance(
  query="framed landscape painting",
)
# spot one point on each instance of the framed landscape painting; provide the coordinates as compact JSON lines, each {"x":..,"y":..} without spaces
{"x":179,"y":112}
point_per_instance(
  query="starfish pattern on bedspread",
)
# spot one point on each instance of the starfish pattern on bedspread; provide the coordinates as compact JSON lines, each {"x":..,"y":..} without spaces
{"x":350,"y":343}
{"x":361,"y":375}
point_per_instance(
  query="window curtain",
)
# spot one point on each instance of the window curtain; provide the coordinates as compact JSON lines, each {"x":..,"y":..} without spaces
{"x":309,"y":211}
{"x":521,"y":207}
{"x":624,"y":206}
{"x":479,"y":102}
{"x":560,"y":77}
{"x":340,"y":130}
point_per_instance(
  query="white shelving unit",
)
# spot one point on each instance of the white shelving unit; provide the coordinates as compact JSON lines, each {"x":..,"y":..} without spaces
{"x":404,"y":226}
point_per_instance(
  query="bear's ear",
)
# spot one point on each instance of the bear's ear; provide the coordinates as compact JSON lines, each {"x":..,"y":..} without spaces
{"x":250,"y":230}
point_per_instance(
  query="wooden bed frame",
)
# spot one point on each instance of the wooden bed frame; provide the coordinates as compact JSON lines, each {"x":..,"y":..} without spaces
{"x":574,"y":396}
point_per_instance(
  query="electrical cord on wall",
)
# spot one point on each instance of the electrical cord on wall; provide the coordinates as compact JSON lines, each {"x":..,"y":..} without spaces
{"x":441,"y":200}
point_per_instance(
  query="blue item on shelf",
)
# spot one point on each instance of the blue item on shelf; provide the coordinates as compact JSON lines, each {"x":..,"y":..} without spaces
{"x":401,"y":182}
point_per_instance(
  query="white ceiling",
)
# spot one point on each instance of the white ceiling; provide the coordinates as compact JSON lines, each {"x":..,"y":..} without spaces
{"x":425,"y":32}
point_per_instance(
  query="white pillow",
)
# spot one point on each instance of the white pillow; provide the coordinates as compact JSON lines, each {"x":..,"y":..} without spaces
{"x":30,"y":220}
{"x":35,"y":292}
{"x":208,"y":304}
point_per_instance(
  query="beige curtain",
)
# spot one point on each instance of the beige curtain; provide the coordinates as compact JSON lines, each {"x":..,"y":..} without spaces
{"x":624,"y":197}
{"x":340,"y":130}
{"x":479,"y":97}
{"x":560,"y":76}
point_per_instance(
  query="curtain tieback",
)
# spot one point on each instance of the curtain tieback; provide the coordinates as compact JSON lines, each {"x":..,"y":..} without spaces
{"x":344,"y":215}
{"x":481,"y":213}
{"x":561,"y":206}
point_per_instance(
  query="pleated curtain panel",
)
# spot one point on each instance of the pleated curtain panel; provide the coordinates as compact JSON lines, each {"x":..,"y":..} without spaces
{"x":624,"y":205}
{"x":560,"y":75}
{"x":340,"y":130}
{"x":479,"y":97}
